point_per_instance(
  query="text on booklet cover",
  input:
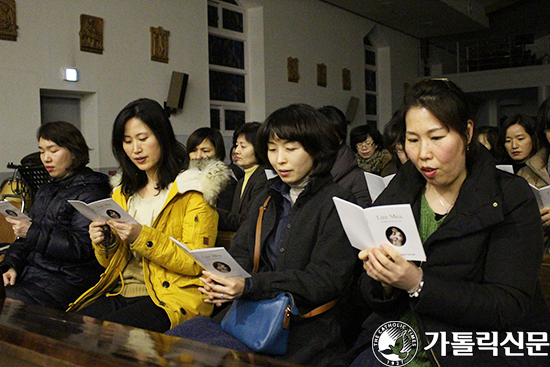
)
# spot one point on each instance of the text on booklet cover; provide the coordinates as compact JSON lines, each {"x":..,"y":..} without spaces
{"x":373,"y":226}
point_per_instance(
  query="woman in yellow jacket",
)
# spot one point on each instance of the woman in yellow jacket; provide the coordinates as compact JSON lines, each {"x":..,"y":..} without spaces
{"x":149,"y":281}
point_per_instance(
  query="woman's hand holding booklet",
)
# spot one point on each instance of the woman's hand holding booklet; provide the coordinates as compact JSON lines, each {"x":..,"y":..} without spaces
{"x":373,"y":226}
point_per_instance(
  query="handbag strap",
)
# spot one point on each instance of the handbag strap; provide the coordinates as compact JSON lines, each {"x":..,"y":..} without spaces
{"x":259,"y":236}
{"x":317,"y":311}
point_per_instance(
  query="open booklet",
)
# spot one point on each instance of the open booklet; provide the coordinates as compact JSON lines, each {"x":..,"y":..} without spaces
{"x":391,"y":224}
{"x":102,"y":210}
{"x":377,"y":184}
{"x":506,"y":168}
{"x":216,"y":260}
{"x":542,"y":195}
{"x":9,"y":210}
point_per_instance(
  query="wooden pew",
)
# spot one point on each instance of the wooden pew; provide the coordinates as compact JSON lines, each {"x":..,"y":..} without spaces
{"x":40,"y":337}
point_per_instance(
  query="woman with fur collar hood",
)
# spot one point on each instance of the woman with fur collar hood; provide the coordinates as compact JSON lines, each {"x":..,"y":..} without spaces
{"x":149,"y":281}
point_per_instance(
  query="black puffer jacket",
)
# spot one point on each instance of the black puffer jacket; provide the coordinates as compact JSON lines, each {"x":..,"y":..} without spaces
{"x":55,"y":263}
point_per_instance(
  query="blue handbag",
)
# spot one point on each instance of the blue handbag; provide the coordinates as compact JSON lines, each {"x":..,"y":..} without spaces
{"x":262,"y":325}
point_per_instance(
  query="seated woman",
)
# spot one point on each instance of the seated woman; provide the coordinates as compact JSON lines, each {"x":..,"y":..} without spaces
{"x":304,"y":250}
{"x":517,"y":141}
{"x":52,"y":261}
{"x":149,"y":281}
{"x":482,"y":237}
{"x":345,"y":170}
{"x":536,"y":168}
{"x":206,"y":142}
{"x":368,"y":145}
{"x":250,"y":185}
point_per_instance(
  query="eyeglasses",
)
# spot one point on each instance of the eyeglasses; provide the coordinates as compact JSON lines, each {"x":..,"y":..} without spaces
{"x":368,"y":143}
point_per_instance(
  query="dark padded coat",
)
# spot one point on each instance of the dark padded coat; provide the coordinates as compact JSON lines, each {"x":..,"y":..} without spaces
{"x":56,"y":263}
{"x":482,"y":266}
{"x":347,"y":173}
{"x":314,"y":264}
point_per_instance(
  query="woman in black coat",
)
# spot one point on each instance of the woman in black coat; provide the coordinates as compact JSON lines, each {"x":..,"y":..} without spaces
{"x":483,"y":240}
{"x":52,"y":261}
{"x":250,"y":185}
{"x":345,"y":170}
{"x":304,"y":250}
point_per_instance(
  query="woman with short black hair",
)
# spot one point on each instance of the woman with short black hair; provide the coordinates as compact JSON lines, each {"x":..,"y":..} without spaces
{"x":368,"y":145}
{"x":252,"y":182}
{"x":52,"y":261}
{"x":304,"y":250}
{"x":207,"y":143}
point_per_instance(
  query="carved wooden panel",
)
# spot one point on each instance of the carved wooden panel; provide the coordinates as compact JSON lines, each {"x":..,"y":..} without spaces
{"x":159,"y":44}
{"x":91,"y":34}
{"x":8,"y":26}
{"x":321,"y":75}
{"x":292,"y":70}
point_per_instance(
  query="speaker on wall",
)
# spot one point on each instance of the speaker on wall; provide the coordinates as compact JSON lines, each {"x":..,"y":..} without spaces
{"x":176,"y":92}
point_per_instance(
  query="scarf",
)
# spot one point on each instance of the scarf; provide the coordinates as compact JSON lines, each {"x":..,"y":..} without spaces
{"x":376,"y":163}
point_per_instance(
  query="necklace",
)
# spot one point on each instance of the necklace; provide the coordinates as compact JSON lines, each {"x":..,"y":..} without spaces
{"x":445,"y":208}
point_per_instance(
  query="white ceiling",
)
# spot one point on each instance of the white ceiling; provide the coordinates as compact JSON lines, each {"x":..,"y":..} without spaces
{"x":427,"y":18}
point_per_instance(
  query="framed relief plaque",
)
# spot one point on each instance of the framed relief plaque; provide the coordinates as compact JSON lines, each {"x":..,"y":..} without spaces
{"x":159,"y":44}
{"x":91,"y":34}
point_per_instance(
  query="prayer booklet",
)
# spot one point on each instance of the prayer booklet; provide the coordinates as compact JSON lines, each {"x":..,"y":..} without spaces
{"x":542,"y":195}
{"x":102,"y":210}
{"x":377,"y":184}
{"x":390,"y":224}
{"x":216,"y":260}
{"x":506,"y":168}
{"x":9,"y":210}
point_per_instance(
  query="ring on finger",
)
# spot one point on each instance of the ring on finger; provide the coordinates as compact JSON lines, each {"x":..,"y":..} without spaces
{"x":222,"y":295}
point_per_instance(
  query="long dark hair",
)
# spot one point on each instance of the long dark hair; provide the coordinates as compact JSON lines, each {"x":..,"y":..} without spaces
{"x":173,"y":157}
{"x":304,"y":124}
{"x":68,"y":136}
{"x":528,"y":124}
